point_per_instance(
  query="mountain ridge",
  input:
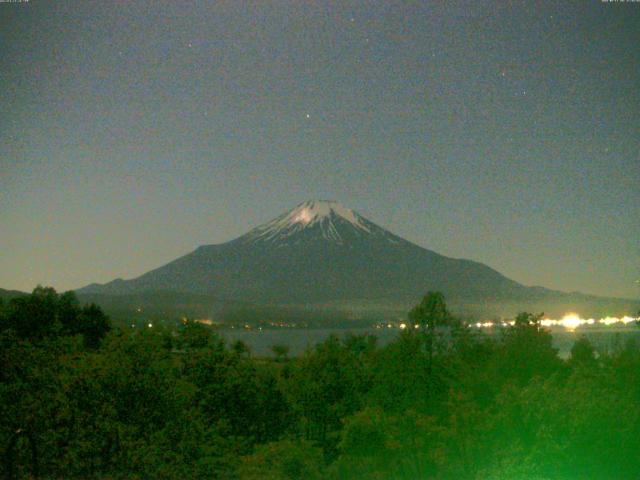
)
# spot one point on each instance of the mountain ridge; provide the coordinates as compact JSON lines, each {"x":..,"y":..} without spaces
{"x":315,"y":237}
{"x":321,"y":252}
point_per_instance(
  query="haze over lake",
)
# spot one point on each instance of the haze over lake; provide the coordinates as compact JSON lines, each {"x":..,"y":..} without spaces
{"x":604,"y":339}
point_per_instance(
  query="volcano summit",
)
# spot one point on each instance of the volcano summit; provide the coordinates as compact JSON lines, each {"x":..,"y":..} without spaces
{"x":320,"y":252}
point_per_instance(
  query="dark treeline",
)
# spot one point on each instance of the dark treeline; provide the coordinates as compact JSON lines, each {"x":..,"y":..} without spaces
{"x":81,"y":400}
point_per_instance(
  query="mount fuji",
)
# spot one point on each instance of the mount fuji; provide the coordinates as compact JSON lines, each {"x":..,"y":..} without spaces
{"x":322,"y":253}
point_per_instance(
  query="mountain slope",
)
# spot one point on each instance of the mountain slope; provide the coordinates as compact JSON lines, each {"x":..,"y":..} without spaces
{"x":6,"y":295}
{"x":320,"y":252}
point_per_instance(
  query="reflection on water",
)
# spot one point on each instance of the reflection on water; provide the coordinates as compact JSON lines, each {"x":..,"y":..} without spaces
{"x":604,"y":338}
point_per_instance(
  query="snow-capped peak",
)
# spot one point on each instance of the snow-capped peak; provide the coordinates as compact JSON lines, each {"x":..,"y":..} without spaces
{"x":313,"y":211}
{"x":308,"y":214}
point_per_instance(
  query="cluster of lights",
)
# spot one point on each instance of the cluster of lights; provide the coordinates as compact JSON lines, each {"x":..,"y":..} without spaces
{"x":570,"y":322}
{"x":403,"y":326}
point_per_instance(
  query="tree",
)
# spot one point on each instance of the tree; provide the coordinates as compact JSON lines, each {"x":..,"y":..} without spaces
{"x":376,"y":444}
{"x":429,"y":314}
{"x":240,"y":348}
{"x":526,"y":351}
{"x":195,"y":335}
{"x":3,"y":320}
{"x":282,"y":460}
{"x":33,"y":316}
{"x":399,"y":375}
{"x":280,"y":352}
{"x":327,"y":384}
{"x":68,"y":312}
{"x":525,"y":319}
{"x":93,"y":324}
{"x":583,"y":353}
{"x":360,"y":345}
{"x":44,"y":313}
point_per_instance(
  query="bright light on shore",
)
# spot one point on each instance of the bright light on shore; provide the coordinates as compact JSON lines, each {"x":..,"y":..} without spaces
{"x":570,"y":321}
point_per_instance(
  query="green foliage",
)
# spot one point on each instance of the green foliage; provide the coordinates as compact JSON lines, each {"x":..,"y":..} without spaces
{"x":526,"y":352}
{"x":93,"y":324}
{"x":326,"y":385}
{"x":44,"y":313}
{"x":400,"y":376}
{"x":280,"y":352}
{"x":283,"y":460}
{"x":526,"y":319}
{"x":193,"y":335}
{"x":239,"y":396}
{"x":583,"y":353}
{"x":33,"y":316}
{"x":431,"y":312}
{"x":80,"y":401}
{"x":240,"y":348}
{"x":375,"y":444}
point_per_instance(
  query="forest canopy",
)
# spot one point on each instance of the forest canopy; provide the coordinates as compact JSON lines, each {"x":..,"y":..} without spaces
{"x":79,"y":399}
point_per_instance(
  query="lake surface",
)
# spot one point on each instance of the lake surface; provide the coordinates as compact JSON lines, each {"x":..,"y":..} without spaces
{"x":605,"y":339}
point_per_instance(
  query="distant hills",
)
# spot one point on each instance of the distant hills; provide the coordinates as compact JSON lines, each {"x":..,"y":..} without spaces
{"x":322,"y":255}
{"x":7,"y":295}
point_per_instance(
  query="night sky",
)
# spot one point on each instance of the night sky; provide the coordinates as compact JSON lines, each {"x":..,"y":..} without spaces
{"x":506,"y":132}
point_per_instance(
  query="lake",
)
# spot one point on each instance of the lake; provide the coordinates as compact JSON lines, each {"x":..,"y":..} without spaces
{"x":604,"y":338}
